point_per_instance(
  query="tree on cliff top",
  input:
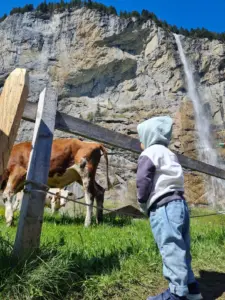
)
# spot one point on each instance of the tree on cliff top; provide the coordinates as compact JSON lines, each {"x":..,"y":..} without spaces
{"x":49,"y":8}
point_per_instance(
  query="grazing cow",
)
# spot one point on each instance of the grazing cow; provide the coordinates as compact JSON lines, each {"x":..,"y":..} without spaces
{"x":54,"y":202}
{"x":71,"y":161}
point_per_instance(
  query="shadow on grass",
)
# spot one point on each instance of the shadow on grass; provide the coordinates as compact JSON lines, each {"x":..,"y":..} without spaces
{"x":212,"y":284}
{"x":65,"y":219}
{"x":51,"y":274}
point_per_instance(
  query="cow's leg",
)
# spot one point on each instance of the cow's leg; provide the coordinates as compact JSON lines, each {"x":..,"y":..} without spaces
{"x":8,"y":196}
{"x":53,"y":205}
{"x":99,"y":195}
{"x":18,"y":198}
{"x":90,"y":201}
{"x":89,"y":197}
{"x":15,"y":182}
{"x":8,"y":202}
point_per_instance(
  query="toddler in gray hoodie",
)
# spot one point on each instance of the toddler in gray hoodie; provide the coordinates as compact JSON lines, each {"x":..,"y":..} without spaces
{"x":160,"y":188}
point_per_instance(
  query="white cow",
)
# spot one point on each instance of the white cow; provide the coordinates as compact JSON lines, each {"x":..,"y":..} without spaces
{"x":55,"y":202}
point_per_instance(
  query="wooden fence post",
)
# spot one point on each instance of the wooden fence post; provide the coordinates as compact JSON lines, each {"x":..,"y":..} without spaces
{"x":12,"y":102}
{"x":32,"y":209}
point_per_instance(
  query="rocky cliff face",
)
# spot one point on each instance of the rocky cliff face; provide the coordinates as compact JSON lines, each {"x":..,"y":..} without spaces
{"x":116,"y":73}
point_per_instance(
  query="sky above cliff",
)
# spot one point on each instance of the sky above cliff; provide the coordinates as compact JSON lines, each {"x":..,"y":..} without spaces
{"x":188,"y":14}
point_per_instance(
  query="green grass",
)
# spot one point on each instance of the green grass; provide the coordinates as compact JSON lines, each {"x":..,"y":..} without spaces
{"x":117,"y":260}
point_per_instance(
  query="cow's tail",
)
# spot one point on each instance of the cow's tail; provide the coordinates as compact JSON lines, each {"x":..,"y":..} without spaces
{"x":107,"y":165}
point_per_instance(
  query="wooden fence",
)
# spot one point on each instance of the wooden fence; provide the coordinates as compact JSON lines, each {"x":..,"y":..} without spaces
{"x":47,"y":119}
{"x":94,"y":132}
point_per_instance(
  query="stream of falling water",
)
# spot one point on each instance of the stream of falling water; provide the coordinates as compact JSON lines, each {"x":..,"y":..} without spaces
{"x":215,"y":188}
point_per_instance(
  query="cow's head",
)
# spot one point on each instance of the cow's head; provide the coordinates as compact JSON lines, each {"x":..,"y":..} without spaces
{"x":66,"y":195}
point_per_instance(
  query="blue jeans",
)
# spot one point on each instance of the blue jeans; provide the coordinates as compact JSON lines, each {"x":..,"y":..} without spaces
{"x":170,"y":226}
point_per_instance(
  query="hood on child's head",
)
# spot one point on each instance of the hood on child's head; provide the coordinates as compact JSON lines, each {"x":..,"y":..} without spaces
{"x":157,"y":130}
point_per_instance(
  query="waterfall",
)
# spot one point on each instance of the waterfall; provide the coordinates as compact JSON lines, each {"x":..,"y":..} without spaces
{"x":215,"y":188}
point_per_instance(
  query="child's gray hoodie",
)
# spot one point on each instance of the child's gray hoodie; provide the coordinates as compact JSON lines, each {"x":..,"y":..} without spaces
{"x":160,"y":176}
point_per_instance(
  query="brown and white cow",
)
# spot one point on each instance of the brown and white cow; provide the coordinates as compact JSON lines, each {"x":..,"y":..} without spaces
{"x":71,"y":161}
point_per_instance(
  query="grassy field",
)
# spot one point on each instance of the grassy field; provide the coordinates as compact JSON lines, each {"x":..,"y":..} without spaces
{"x":117,"y":260}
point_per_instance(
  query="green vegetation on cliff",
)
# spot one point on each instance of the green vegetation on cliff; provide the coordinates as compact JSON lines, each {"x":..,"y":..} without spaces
{"x":51,"y":7}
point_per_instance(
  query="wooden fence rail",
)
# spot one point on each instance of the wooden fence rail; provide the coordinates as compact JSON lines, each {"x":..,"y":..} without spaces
{"x":91,"y":131}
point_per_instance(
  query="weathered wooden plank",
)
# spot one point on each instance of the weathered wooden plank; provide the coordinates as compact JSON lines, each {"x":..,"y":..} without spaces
{"x":12,"y":103}
{"x":31,"y":214}
{"x":126,"y":210}
{"x":88,"y":130}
